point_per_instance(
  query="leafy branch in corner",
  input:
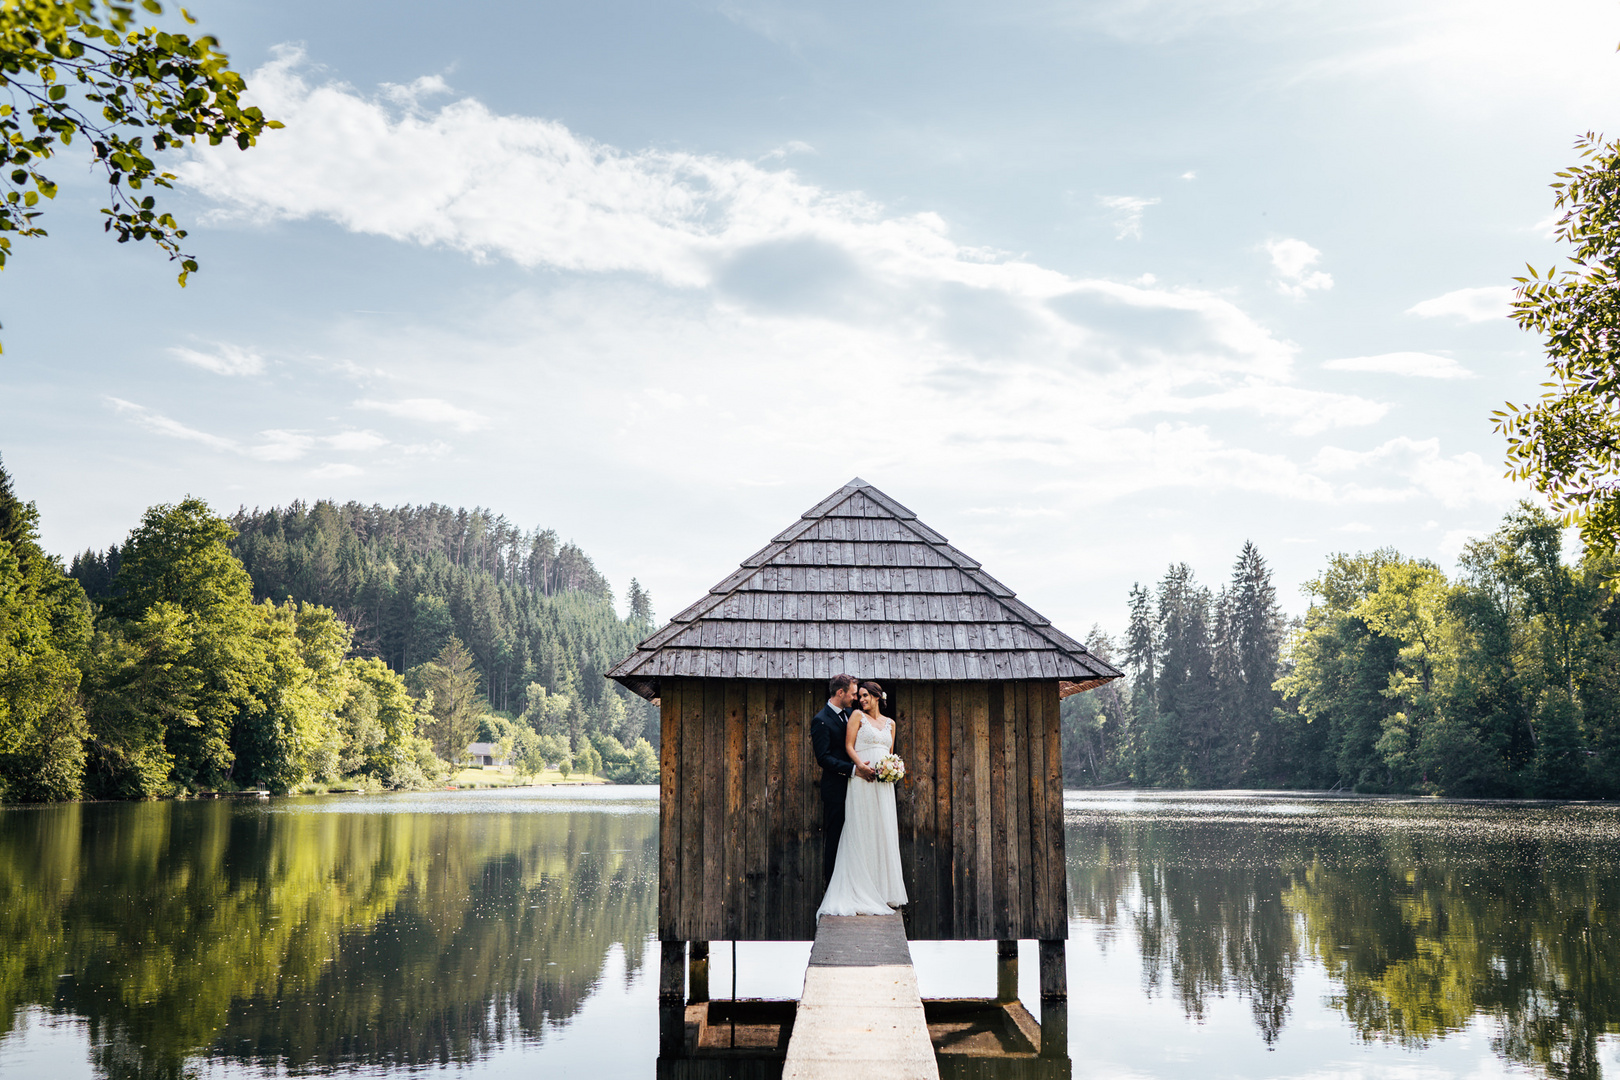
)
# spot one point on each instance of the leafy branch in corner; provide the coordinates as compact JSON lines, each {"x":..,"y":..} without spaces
{"x":1568,"y":442}
{"x":84,"y":69}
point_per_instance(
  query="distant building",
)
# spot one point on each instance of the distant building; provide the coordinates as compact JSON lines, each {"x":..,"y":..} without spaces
{"x":484,"y":753}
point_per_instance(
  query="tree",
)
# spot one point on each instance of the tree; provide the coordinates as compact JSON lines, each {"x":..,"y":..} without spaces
{"x":640,"y":601}
{"x":1181,"y":743}
{"x":384,"y":725}
{"x":1249,"y":639}
{"x":1095,"y":725}
{"x":1568,"y":442}
{"x":453,"y":680}
{"x":177,"y":556}
{"x":1339,"y":672}
{"x":84,"y":69}
{"x":140,"y":686}
{"x":45,"y":635}
{"x":290,"y":729}
{"x":643,"y":764}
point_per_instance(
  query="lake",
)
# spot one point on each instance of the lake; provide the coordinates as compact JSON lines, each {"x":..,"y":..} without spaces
{"x":492,"y":933}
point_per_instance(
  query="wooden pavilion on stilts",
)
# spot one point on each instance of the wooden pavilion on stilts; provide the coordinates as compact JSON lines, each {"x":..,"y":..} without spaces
{"x":859,"y":585}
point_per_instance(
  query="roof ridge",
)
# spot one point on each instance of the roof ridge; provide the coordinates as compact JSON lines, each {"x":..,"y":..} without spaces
{"x":889,"y":503}
{"x":831,"y":503}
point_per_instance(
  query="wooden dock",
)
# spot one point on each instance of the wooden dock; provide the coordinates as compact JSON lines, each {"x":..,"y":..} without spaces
{"x":861,"y":1013}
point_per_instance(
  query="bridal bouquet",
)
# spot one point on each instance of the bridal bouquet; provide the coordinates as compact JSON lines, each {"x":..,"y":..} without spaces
{"x":890,"y":769}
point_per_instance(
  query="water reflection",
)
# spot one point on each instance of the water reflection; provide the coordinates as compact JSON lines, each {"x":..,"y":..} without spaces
{"x":310,"y":939}
{"x":1427,"y":916}
{"x":300,"y":936}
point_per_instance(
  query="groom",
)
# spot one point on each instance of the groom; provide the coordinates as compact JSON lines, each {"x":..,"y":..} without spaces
{"x":827,"y":731}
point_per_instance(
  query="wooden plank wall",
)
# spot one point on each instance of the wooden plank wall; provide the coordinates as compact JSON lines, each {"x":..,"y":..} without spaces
{"x":981,"y":813}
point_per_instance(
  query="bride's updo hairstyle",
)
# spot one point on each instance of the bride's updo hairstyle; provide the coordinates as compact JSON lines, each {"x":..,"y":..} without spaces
{"x":875,"y":688}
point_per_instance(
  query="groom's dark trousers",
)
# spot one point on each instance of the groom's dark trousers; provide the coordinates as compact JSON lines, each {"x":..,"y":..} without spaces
{"x":827,"y":738}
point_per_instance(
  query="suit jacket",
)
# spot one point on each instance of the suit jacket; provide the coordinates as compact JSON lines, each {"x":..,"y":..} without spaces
{"x":827,"y":737}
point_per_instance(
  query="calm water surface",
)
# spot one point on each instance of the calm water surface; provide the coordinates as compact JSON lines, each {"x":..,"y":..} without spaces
{"x":1214,"y":935}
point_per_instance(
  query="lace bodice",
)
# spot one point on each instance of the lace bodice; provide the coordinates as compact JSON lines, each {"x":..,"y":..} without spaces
{"x":873,"y":742}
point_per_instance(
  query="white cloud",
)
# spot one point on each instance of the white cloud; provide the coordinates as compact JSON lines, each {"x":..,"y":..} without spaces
{"x":1189,"y":175}
{"x":1403,"y":469}
{"x":411,"y":94}
{"x":1128,"y":211}
{"x":1411,"y":364}
{"x":1471,"y":51}
{"x":1306,"y":412}
{"x":223,"y":360}
{"x":1470,"y":305}
{"x":281,"y":446}
{"x":159,"y":424}
{"x":273,"y":445}
{"x":428,"y":411}
{"x":356,"y":440}
{"x":700,"y":290}
{"x":746,"y":245}
{"x":1293,"y":259}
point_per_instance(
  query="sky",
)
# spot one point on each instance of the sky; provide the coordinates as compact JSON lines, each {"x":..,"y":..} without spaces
{"x":1091,"y":287}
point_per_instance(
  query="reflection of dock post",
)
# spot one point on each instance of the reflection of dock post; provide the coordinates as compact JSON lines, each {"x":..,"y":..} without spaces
{"x":1054,"y":1000}
{"x":1006,"y":971}
{"x":671,"y":998}
{"x":697,"y":980}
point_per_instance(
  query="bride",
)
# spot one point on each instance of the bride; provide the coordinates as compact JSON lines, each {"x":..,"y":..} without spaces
{"x":866,"y":872}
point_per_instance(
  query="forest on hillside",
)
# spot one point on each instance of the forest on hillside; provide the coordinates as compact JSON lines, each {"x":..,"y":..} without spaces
{"x":1502,"y":680}
{"x":364,"y":646}
{"x":535,"y":614}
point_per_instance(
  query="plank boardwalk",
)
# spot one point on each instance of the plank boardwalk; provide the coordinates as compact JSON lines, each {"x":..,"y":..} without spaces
{"x":861,"y":1014}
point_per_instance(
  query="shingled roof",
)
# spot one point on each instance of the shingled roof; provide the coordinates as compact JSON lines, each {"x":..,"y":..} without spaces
{"x":859,"y":585}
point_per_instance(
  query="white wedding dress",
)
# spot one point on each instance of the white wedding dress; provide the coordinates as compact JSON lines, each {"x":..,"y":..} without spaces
{"x":866,"y":874}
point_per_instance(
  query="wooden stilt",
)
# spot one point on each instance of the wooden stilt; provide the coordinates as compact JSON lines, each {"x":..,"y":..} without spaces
{"x":1054,"y":1000}
{"x":697,"y":968}
{"x":671,"y":1003}
{"x":1054,"y":970}
{"x":1055,"y":1028}
{"x":1006,"y":971}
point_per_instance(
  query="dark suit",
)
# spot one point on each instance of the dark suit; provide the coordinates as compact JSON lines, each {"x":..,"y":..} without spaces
{"x":827,"y":730}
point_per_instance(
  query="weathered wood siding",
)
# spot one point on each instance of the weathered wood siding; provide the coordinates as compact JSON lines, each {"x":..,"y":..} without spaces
{"x":981,"y":813}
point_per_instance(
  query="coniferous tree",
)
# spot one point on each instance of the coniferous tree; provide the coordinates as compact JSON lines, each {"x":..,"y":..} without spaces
{"x":640,"y":604}
{"x":456,"y":703}
{"x":1183,"y":739}
{"x":1141,"y":656}
{"x":1251,"y":644}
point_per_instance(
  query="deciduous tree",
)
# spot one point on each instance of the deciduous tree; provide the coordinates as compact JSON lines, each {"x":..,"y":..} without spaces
{"x":1568,"y":442}
{"x":88,"y":70}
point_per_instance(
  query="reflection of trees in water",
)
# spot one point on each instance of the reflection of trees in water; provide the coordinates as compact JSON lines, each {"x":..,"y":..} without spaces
{"x":1205,"y":928}
{"x":314,"y":939}
{"x":1496,"y":913}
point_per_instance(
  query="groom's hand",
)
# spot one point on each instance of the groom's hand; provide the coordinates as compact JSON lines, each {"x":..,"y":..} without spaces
{"x":865,"y":771}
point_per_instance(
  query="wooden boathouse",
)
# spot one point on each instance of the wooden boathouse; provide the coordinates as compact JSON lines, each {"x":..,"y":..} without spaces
{"x":859,"y":585}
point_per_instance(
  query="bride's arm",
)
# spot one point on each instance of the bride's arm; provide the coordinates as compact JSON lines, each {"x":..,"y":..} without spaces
{"x":862,"y":771}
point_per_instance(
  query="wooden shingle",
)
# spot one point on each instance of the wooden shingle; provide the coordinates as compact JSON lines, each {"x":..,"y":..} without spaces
{"x":859,"y":585}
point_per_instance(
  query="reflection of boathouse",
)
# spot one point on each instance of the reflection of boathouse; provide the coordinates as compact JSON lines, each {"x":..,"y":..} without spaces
{"x":974,"y":676}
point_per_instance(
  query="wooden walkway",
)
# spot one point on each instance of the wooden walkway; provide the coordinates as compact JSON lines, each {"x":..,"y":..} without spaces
{"x":861,"y":1014}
